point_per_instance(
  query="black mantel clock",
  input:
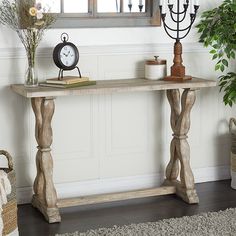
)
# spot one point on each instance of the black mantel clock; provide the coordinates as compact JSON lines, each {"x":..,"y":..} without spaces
{"x":66,"y":56}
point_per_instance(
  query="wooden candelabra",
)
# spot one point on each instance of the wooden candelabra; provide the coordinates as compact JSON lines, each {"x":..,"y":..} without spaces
{"x":178,"y":16}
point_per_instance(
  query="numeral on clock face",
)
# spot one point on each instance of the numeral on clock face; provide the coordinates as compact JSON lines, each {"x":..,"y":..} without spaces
{"x":67,"y":55}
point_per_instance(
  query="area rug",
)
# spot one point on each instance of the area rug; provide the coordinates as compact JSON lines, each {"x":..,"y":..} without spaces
{"x":222,"y":223}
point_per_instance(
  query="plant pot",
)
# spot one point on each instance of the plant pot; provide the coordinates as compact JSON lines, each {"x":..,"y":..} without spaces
{"x":232,"y":123}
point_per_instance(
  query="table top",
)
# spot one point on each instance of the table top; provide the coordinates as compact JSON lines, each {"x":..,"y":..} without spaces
{"x":112,"y":86}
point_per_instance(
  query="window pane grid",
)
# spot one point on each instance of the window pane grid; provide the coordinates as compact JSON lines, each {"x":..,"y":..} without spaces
{"x":72,"y":6}
{"x":95,"y":7}
{"x":116,"y":13}
{"x":121,"y":6}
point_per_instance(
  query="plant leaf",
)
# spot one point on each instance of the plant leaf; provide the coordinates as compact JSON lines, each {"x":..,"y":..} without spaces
{"x":225,"y":62}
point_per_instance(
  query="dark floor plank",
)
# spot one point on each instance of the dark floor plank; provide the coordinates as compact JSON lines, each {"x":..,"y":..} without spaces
{"x":214,"y":196}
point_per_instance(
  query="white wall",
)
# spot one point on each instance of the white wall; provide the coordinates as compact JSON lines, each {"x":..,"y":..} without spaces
{"x":115,"y":141}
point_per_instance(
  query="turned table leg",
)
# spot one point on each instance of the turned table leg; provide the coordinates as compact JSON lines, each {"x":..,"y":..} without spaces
{"x":179,"y":147}
{"x":45,"y":196}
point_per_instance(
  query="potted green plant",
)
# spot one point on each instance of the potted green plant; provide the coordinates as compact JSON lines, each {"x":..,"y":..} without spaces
{"x":217,"y":30}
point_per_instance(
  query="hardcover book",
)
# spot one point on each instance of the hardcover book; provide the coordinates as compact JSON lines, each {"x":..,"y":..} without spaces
{"x":73,"y":85}
{"x":67,"y":80}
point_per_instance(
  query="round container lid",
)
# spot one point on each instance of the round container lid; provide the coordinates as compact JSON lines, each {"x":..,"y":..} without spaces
{"x":156,"y":61}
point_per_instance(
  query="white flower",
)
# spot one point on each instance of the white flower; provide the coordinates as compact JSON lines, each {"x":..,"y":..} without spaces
{"x":38,"y":6}
{"x":33,"y":11}
{"x":39,"y":15}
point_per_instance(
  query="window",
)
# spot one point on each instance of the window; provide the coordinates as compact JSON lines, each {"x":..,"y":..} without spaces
{"x":104,"y":13}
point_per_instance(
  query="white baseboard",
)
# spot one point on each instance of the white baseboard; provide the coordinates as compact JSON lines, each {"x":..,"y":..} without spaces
{"x":100,"y":186}
{"x":208,"y":174}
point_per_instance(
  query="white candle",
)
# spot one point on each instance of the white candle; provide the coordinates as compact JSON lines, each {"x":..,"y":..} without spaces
{"x":196,"y":2}
{"x":163,"y":4}
{"x":130,"y":2}
{"x":192,"y":7}
{"x":170,"y":2}
{"x":164,"y":7}
{"x":140,"y":2}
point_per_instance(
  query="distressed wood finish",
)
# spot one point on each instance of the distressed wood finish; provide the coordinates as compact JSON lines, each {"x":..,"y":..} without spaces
{"x":110,"y":197}
{"x":113,"y":86}
{"x":45,"y":196}
{"x":179,"y":147}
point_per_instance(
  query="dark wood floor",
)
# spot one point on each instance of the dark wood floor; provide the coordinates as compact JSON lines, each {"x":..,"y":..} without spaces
{"x":214,"y":196}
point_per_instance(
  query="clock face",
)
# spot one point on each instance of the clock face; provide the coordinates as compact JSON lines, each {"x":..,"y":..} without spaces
{"x":67,"y":55}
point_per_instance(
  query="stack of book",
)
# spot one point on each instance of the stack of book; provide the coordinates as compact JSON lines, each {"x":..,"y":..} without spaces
{"x":67,"y":82}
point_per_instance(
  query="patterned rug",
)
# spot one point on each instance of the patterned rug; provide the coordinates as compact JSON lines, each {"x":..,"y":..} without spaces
{"x":222,"y":223}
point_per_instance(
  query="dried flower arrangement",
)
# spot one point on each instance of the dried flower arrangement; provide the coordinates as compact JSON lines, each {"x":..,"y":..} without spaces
{"x":29,"y":19}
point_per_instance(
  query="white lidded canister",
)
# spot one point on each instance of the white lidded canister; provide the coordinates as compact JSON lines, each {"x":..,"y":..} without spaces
{"x":155,"y":69}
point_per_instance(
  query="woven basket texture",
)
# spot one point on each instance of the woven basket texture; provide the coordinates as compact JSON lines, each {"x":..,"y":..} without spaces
{"x":9,"y":214}
{"x":233,"y":162}
{"x":233,"y":142}
{"x":232,"y":130}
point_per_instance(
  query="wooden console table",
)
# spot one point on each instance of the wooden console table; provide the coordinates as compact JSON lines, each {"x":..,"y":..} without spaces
{"x":42,"y":100}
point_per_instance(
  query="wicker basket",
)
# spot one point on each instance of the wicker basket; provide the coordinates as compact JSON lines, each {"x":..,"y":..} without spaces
{"x":9,"y":214}
{"x":232,"y":123}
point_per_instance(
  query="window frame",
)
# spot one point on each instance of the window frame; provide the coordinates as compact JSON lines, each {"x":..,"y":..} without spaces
{"x":93,"y":19}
